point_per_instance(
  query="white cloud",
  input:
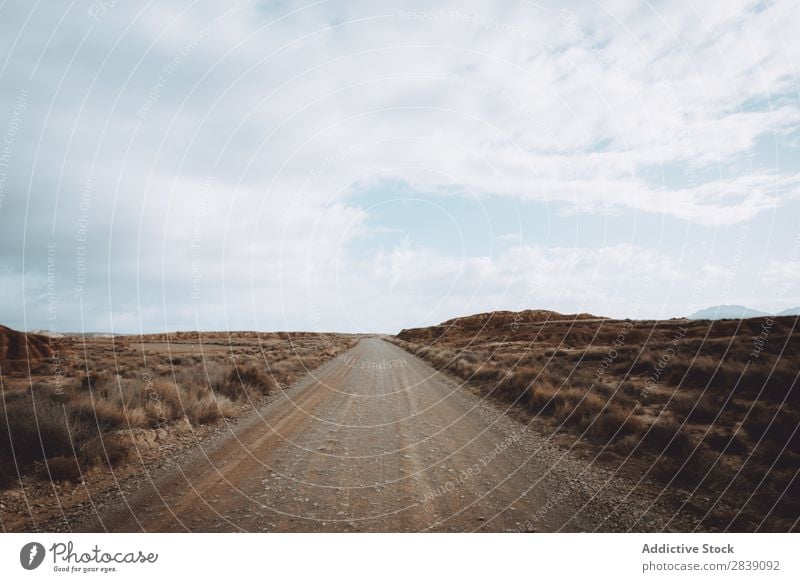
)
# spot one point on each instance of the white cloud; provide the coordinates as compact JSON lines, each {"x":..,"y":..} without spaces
{"x":290,"y":110}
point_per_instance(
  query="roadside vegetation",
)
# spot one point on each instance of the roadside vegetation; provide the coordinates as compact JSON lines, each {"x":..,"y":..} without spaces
{"x":110,"y":395}
{"x":711,"y":407}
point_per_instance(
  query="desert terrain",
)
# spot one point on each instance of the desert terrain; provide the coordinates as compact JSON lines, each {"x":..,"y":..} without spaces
{"x":508,"y":421}
{"x":80,"y":414}
{"x":709,"y":408}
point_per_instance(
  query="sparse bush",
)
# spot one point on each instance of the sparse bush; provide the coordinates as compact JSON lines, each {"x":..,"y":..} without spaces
{"x":732,"y":444}
{"x":93,"y":379}
{"x":697,"y":407}
{"x":486,"y":373}
{"x":542,"y":397}
{"x":615,"y":425}
{"x":223,"y":384}
{"x":210,"y":408}
{"x":254,"y":376}
{"x":103,"y":415}
{"x":515,"y":386}
{"x":699,"y":468}
{"x":62,"y":469}
{"x":33,"y":428}
{"x":109,"y":452}
{"x":667,"y":437}
{"x":575,"y":407}
{"x":8,"y":474}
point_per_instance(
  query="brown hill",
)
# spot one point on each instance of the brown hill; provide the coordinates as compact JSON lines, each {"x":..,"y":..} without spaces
{"x":18,"y":349}
{"x":495,"y":323}
{"x":496,"y":318}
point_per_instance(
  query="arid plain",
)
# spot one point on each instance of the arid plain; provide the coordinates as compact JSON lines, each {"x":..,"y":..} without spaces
{"x":506,"y":421}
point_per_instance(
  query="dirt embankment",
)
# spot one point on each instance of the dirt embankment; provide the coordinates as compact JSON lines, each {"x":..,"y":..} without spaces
{"x":19,"y":350}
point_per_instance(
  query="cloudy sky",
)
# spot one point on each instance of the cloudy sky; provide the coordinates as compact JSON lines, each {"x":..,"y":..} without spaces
{"x":368,"y":166}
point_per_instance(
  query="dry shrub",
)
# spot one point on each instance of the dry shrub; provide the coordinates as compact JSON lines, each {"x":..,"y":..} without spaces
{"x":725,"y":442}
{"x":101,"y":414}
{"x":34,"y":428}
{"x":209,"y":408}
{"x":697,"y":407}
{"x":119,"y":404}
{"x":542,"y":399}
{"x":165,"y":402}
{"x":8,"y":474}
{"x":667,"y":437}
{"x":223,"y":385}
{"x":39,"y":424}
{"x":773,"y":379}
{"x":240,"y":382}
{"x":627,"y":444}
{"x":226,"y":408}
{"x":203,"y":411}
{"x":94,"y":379}
{"x":615,"y":425}
{"x":62,"y":469}
{"x":775,"y":431}
{"x":602,"y":419}
{"x":516,"y":385}
{"x":700,"y":467}
{"x":628,"y":389}
{"x":686,"y":369}
{"x":103,"y":451}
{"x":578,"y":408}
{"x":159,"y":412}
{"x":762,"y":417}
{"x":127,"y":372}
{"x":486,"y":372}
{"x":463,"y":368}
{"x":194,"y":399}
{"x":254,"y":376}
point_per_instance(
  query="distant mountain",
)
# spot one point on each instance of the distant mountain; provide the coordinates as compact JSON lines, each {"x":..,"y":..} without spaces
{"x":790,"y":311}
{"x":737,"y":312}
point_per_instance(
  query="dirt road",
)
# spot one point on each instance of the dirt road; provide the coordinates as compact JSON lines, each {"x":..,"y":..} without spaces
{"x":379,"y":441}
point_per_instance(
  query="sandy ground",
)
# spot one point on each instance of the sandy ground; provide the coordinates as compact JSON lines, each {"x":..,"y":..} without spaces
{"x":376,"y":440}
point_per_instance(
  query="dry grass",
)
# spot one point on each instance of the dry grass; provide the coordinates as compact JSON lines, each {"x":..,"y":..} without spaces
{"x":244,"y":382}
{"x":691,"y":402}
{"x":34,"y":426}
{"x":60,"y":428}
